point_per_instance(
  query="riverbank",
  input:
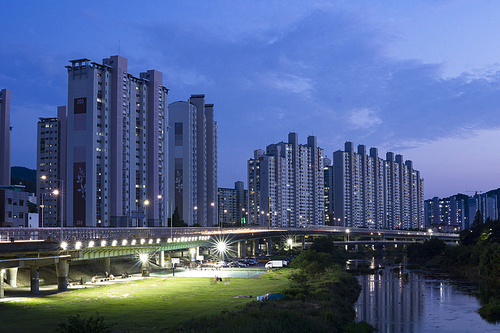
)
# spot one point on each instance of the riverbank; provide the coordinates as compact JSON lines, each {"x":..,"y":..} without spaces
{"x":320,"y":300}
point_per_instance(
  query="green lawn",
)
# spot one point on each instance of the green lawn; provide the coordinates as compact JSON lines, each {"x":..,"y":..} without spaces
{"x":148,"y":305}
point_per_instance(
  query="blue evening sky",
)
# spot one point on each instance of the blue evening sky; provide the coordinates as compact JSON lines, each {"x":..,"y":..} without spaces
{"x":419,"y":78}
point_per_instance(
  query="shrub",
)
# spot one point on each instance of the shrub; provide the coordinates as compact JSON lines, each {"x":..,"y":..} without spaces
{"x":82,"y":325}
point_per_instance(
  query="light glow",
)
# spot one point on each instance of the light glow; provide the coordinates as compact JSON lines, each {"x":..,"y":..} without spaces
{"x":143,"y":257}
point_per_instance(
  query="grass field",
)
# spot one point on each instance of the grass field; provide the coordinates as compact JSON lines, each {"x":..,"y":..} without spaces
{"x":149,"y":305}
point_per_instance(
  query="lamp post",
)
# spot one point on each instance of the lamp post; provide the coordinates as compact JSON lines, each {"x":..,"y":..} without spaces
{"x":41,"y":206}
{"x":347,"y":232}
{"x":146,"y":204}
{"x":57,"y":192}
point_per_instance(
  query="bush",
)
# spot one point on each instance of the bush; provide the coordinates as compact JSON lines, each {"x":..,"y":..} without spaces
{"x":82,"y":325}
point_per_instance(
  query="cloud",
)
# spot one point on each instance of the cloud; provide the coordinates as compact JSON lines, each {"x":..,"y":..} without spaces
{"x":288,"y":83}
{"x":364,"y":118}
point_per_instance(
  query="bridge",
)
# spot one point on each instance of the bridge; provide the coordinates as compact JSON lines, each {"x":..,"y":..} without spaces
{"x":35,"y":247}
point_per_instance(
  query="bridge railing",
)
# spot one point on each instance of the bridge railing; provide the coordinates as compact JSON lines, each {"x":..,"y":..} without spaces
{"x":70,"y":234}
{"x":75,"y":234}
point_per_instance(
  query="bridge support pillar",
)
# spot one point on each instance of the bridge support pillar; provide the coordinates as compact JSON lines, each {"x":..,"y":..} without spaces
{"x":62,"y":269}
{"x":356,"y":246}
{"x":269,"y":245}
{"x":194,"y":252}
{"x":107,"y":265}
{"x":35,"y":279}
{"x":2,"y":273}
{"x":13,"y":277}
{"x":242,"y":249}
{"x":254,"y":244}
{"x":162,"y":259}
{"x":303,"y":242}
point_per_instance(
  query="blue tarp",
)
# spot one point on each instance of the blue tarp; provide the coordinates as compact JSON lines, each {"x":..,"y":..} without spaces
{"x":270,"y":297}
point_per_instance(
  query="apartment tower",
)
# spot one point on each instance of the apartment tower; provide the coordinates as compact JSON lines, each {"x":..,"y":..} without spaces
{"x":5,"y":130}
{"x":193,"y":161}
{"x":117,"y":139}
{"x":374,"y":193}
{"x":51,"y":167}
{"x":286,"y":184}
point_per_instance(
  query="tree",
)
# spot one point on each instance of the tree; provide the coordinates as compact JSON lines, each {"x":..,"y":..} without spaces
{"x":478,"y":220}
{"x":326,"y":245}
{"x":177,"y":219}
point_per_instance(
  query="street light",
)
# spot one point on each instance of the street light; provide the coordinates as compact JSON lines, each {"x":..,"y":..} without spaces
{"x":59,"y":192}
{"x":347,"y":232}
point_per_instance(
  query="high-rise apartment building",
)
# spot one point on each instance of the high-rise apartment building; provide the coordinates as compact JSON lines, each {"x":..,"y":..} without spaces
{"x":486,"y":204}
{"x":375,"y":193}
{"x":447,"y":214}
{"x":233,"y":207}
{"x":329,"y":185}
{"x":13,"y":198}
{"x":286,"y":184}
{"x":5,"y":130}
{"x":193,"y":161}
{"x":117,"y":141}
{"x":51,"y":166}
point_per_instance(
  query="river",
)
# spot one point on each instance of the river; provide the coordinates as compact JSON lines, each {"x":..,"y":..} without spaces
{"x":422,"y":301}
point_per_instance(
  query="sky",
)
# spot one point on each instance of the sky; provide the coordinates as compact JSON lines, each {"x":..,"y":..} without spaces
{"x":417,"y":78}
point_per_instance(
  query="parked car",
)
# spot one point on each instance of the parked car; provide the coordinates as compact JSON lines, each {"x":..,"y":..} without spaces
{"x":220,"y":264}
{"x":241,"y":264}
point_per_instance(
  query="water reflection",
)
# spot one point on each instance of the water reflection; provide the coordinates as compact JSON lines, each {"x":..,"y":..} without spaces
{"x":389,"y":303}
{"x":419,"y":303}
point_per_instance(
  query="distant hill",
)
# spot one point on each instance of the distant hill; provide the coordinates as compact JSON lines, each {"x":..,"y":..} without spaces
{"x":24,"y":176}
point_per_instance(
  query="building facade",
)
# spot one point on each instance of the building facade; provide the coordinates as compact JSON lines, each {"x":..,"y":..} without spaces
{"x":5,"y":131}
{"x":446,"y":214}
{"x":328,"y":187}
{"x":374,"y":193}
{"x":116,"y":151}
{"x":13,"y":206}
{"x":486,"y":204}
{"x":233,"y":206}
{"x":286,"y":184}
{"x":51,"y":167}
{"x":193,"y":161}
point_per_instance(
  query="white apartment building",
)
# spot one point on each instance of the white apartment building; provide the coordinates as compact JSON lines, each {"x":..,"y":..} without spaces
{"x":232,"y":207}
{"x":193,"y":161}
{"x":116,"y":146}
{"x":286,"y":184}
{"x":51,"y":166}
{"x":486,"y":204}
{"x":375,"y":193}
